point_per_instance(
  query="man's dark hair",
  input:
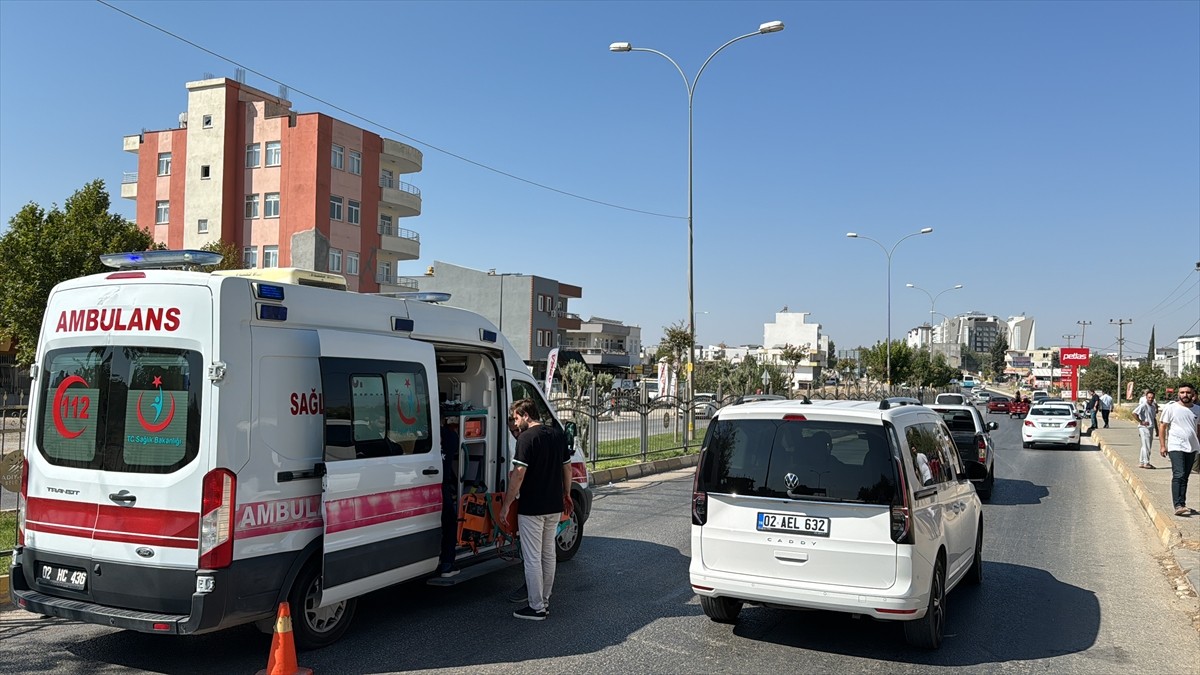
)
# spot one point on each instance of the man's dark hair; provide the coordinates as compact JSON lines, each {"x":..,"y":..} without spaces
{"x":1189,"y":385}
{"x":524,"y":407}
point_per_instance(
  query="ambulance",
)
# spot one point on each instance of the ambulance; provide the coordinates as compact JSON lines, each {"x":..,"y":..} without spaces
{"x":205,"y":446}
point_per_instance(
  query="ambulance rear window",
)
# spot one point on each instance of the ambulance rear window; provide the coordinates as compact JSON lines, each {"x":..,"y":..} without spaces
{"x":131,"y":409}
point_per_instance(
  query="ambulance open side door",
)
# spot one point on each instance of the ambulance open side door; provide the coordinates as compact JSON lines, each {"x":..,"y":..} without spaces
{"x":381,"y":483}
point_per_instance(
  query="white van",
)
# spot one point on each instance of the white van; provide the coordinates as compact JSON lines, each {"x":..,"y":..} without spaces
{"x":205,"y":446}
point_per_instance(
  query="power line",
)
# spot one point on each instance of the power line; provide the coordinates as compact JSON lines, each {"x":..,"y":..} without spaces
{"x":380,"y":125}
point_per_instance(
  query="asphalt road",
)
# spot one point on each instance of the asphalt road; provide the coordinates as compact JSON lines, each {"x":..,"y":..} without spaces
{"x":1073,"y":585}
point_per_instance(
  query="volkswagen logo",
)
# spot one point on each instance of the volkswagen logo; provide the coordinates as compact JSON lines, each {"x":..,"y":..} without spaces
{"x":145,"y":551}
{"x":791,"y":480}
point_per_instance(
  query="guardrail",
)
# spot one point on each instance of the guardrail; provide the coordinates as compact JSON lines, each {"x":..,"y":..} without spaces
{"x":128,"y":177}
{"x":395,"y":184}
{"x":393,"y":231}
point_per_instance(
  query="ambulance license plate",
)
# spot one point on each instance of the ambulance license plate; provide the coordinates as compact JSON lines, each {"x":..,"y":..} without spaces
{"x":71,"y":578}
{"x":793,"y":523}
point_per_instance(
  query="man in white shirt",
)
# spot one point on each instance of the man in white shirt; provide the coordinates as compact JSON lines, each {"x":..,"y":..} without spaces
{"x":1106,"y":403}
{"x":1146,"y":414}
{"x":1179,"y":436}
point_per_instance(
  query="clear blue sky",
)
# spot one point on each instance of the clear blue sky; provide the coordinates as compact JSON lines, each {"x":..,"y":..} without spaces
{"x":1054,"y":147}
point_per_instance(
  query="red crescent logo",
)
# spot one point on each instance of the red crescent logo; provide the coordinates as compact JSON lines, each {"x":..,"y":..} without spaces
{"x":155,"y":428}
{"x":58,"y":396}
{"x":416,"y":403}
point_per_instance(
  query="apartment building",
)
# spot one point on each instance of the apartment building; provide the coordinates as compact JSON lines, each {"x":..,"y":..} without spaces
{"x":288,"y":189}
{"x":791,"y":329}
{"x":606,"y":345}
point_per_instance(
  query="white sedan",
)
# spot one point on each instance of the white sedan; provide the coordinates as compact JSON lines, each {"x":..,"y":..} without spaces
{"x":1051,"y":424}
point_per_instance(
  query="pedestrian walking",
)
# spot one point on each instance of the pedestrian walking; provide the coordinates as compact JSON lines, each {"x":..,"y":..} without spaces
{"x":1093,"y":409}
{"x":1179,"y":438}
{"x":540,"y":484}
{"x":1146,"y":414}
{"x":1106,"y":404}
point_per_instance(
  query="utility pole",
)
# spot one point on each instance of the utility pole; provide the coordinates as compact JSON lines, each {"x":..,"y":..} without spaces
{"x":1120,"y":324}
{"x":1068,"y":338}
{"x":1083,"y":332}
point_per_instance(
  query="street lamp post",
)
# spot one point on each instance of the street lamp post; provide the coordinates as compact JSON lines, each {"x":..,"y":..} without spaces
{"x":888,"y":253}
{"x":932,"y":304}
{"x":763,"y":29}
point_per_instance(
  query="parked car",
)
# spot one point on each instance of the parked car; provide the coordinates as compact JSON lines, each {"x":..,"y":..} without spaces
{"x":704,"y":405}
{"x":950,"y":399}
{"x":981,"y":395}
{"x":1051,"y":424}
{"x":999,"y":404}
{"x":973,"y":438}
{"x":850,"y":506}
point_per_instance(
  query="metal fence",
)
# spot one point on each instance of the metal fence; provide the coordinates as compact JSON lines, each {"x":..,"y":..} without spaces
{"x":613,"y":426}
{"x":14,"y":416}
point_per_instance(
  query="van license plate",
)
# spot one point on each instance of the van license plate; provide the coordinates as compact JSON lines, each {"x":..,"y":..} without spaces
{"x":64,"y":577}
{"x":792,"y":523}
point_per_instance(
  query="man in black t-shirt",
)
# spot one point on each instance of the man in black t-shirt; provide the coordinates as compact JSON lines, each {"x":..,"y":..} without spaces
{"x":541,"y":478}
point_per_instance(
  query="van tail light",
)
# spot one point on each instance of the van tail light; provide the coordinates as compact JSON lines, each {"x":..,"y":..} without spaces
{"x":1029,"y":423}
{"x":902,"y":512}
{"x":21,"y":503}
{"x":981,"y":444}
{"x":216,"y":519}
{"x":699,"y":497}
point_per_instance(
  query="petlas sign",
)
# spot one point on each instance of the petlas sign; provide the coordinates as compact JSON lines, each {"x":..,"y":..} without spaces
{"x":1074,"y":356}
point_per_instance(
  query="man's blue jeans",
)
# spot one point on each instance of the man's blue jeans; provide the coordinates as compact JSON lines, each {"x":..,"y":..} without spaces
{"x":1181,"y":465}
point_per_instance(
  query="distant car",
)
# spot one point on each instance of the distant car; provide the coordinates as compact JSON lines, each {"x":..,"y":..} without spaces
{"x":1051,"y":424}
{"x":982,"y":395}
{"x":950,"y":399}
{"x":1039,"y":396}
{"x":704,"y":405}
{"x":999,"y":404}
{"x":751,"y":398}
{"x":973,"y":438}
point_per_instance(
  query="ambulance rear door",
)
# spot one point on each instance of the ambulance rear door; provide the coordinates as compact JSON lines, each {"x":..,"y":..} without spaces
{"x":382,"y":468}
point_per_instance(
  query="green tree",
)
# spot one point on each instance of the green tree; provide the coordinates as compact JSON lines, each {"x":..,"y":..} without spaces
{"x":831,"y":356}
{"x":231,"y":257}
{"x":875,"y":358}
{"x":1150,"y":352}
{"x":1101,"y":374}
{"x":42,"y":248}
{"x":675,"y":343}
{"x":792,"y":356}
{"x":998,"y":351}
{"x":970,"y":360}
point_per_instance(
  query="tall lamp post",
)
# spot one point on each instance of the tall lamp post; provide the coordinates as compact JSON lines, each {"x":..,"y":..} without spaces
{"x":763,"y":29}
{"x":933,"y":304}
{"x":888,"y":253}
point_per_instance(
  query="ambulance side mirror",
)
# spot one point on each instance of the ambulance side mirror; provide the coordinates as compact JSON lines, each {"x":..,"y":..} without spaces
{"x":572,"y":431}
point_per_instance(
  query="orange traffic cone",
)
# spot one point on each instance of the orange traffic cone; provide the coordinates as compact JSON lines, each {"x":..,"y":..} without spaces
{"x":283,"y":649}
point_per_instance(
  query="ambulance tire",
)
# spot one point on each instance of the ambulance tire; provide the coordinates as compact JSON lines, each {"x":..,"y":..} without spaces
{"x":567,"y":543}
{"x":313,"y":627}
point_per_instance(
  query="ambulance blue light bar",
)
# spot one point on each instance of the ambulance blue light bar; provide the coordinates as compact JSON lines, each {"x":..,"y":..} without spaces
{"x":400,"y":324}
{"x":487,"y":335}
{"x":272,"y":312}
{"x":268,"y":291}
{"x":159,"y":259}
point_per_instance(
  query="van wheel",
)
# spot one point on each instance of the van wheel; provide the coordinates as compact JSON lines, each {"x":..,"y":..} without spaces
{"x":975,"y":574}
{"x":927,"y":631}
{"x":314,"y":627}
{"x":567,"y":543}
{"x":721,"y":610}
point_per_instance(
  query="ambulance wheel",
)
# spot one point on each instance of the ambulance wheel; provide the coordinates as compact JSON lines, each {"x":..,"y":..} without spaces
{"x":314,"y":627}
{"x":566,"y":544}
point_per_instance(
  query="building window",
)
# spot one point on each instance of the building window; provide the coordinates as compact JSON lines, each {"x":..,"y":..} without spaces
{"x":539,"y":339}
{"x":205,"y":172}
{"x":335,"y":260}
{"x":270,"y":256}
{"x":202,"y":226}
{"x":354,"y":212}
{"x":385,"y":179}
{"x":271,"y":205}
{"x":252,"y":155}
{"x":250,"y":257}
{"x":274,"y":153}
{"x":162,"y":212}
{"x":252,"y":206}
{"x":352,"y":264}
{"x":206,"y":121}
{"x":339,"y":157}
{"x":541,"y":306}
{"x":164,"y":164}
{"x":335,"y":208}
{"x":356,"y":162}
{"x":385,"y":273}
{"x":385,"y":224}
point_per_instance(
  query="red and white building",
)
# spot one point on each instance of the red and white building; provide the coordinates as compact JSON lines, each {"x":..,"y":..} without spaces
{"x":289,"y":189}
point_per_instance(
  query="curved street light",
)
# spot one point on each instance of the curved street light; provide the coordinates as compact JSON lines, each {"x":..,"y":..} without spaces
{"x":932,"y":304}
{"x":888,"y":253}
{"x":763,"y":29}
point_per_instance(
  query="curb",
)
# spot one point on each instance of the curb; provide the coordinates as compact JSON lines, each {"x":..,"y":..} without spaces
{"x":1168,"y":533}
{"x":624,"y":473}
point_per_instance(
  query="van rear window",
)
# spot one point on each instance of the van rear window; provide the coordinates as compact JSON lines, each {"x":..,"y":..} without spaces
{"x":131,"y":409}
{"x":838,"y":461}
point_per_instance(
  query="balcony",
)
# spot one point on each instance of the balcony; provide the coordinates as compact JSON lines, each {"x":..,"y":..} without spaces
{"x":399,"y":198}
{"x":391,"y":283}
{"x":133,"y":143}
{"x":129,"y":180}
{"x":566,"y":320}
{"x":608,"y":357}
{"x":400,"y":157}
{"x":404,"y":244}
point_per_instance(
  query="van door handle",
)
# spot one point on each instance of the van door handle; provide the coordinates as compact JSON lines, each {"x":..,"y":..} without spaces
{"x":123,"y":498}
{"x":430,"y":471}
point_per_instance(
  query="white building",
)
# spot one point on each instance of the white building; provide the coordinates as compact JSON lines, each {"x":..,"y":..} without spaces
{"x":1021,"y":333}
{"x":790,"y":330}
{"x":1189,"y":353}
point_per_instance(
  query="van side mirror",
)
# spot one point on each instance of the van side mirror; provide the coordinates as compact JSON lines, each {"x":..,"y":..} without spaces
{"x":572,"y":430}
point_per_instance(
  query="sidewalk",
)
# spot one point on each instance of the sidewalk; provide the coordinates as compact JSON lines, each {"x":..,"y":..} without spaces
{"x":1121,"y":444}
